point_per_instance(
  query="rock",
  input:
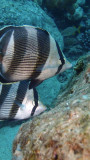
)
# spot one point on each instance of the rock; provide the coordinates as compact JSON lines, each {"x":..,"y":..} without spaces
{"x":28,"y":13}
{"x":70,"y":41}
{"x":63,"y":133}
{"x":81,"y":2}
{"x":84,"y":39}
{"x":73,"y":8}
{"x":40,"y":2}
{"x":88,"y":24}
{"x":78,"y":14}
{"x":56,"y":4}
{"x":75,"y":50}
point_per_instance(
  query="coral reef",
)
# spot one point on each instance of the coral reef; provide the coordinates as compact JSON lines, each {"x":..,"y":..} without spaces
{"x":84,"y":39}
{"x":77,"y":13}
{"x":77,"y":41}
{"x":81,"y":2}
{"x":62,"y":133}
{"x":59,"y":4}
{"x":73,"y":7}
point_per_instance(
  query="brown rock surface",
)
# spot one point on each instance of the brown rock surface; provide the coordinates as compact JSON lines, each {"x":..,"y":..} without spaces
{"x":62,"y":133}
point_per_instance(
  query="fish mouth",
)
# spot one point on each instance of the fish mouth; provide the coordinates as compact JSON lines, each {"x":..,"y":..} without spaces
{"x":68,"y":65}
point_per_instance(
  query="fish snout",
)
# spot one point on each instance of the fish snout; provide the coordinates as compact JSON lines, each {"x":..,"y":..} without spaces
{"x":66,"y":66}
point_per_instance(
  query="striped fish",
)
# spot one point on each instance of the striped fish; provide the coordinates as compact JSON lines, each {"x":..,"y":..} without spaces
{"x":18,"y":102}
{"x":29,"y":53}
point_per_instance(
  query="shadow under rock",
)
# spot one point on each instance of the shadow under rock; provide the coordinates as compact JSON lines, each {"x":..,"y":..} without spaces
{"x":12,"y":123}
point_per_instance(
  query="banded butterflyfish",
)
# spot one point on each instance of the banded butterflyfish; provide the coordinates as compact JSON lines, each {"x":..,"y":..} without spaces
{"x":18,"y":102}
{"x":29,"y":53}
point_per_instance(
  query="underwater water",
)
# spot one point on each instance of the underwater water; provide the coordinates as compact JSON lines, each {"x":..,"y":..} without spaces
{"x":8,"y":131}
{"x":69,"y":24}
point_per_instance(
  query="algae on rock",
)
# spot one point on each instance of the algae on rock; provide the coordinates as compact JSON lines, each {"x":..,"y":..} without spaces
{"x":62,"y":133}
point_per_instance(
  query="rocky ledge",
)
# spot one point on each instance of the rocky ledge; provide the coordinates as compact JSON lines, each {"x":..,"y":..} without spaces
{"x":63,"y":133}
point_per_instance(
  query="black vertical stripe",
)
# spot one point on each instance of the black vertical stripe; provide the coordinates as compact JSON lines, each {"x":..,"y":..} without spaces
{"x":4,"y":93}
{"x":5,"y":29}
{"x":21,"y":92}
{"x":35,"y":100}
{"x":61,"y":58}
{"x":5,"y":40}
{"x":43,"y":42}
{"x":43,"y":39}
{"x":20,"y":41}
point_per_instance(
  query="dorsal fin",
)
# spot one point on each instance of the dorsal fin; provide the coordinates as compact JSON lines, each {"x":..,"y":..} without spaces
{"x":5,"y":29}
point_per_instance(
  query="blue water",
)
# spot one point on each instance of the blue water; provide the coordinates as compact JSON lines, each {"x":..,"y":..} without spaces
{"x":8,"y":131}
